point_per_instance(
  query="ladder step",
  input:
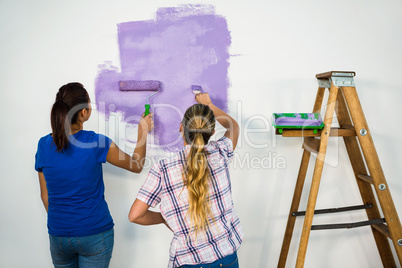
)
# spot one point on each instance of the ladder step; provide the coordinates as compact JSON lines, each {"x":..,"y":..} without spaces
{"x":335,"y":73}
{"x":333,"y":210}
{"x":347,"y":225}
{"x":382,"y":228}
{"x":366,"y":178}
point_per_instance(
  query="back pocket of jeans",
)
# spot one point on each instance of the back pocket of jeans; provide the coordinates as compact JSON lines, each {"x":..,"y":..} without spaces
{"x":91,"y":245}
{"x":229,"y":264}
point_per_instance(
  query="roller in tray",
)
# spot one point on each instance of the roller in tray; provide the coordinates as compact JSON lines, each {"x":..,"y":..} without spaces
{"x":297,"y":121}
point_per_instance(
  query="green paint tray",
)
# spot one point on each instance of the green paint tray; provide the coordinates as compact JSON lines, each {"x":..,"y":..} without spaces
{"x":297,"y":121}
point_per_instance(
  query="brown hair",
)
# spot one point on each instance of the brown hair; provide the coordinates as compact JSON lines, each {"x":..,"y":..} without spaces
{"x":199,"y":125}
{"x":70,"y":100}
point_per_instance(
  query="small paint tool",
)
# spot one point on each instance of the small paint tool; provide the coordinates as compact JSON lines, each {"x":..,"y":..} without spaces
{"x":196,"y":89}
{"x":144,"y":85}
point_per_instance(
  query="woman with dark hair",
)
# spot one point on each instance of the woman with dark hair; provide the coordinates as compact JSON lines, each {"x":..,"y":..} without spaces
{"x":69,"y":164}
{"x":194,"y":191}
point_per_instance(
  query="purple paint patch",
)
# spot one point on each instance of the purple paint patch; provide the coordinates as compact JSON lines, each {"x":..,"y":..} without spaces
{"x":183,"y":46}
{"x":298,"y":120}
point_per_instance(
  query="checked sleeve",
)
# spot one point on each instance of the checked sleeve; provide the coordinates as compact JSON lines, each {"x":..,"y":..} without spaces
{"x":150,"y":192}
{"x":225,"y":147}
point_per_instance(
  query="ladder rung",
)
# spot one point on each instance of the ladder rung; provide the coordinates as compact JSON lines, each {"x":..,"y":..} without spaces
{"x":347,"y":225}
{"x":333,"y":210}
{"x":365,"y":178}
{"x":382,"y":228}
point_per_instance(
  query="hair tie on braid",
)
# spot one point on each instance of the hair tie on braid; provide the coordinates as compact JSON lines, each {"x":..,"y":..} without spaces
{"x":201,"y":130}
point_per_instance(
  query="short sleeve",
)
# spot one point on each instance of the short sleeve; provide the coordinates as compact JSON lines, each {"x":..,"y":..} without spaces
{"x":102,"y":149}
{"x":150,"y":192}
{"x":38,"y":158}
{"x":225,"y":147}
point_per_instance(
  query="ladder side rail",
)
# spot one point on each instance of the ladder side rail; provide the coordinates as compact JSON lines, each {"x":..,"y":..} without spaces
{"x":298,"y":190}
{"x":315,"y":184}
{"x":366,"y":192}
{"x":375,"y":169}
{"x":294,"y":207}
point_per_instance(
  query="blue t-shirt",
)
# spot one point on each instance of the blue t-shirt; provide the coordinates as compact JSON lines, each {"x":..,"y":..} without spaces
{"x":74,"y":181}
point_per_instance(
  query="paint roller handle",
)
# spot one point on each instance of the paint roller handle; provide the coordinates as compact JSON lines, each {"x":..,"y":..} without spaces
{"x":147,"y":106}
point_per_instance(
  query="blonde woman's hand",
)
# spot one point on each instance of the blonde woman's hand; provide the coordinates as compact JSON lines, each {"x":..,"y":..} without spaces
{"x":203,"y":98}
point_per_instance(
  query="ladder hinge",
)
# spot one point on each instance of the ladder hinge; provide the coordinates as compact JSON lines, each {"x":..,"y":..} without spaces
{"x":339,"y":80}
{"x":324,"y":83}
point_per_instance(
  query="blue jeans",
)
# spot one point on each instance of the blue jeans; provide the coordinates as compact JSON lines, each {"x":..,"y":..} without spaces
{"x":230,"y":261}
{"x":94,"y":251}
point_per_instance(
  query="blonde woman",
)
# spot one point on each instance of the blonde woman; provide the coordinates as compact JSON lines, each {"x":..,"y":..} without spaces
{"x":193,"y":189}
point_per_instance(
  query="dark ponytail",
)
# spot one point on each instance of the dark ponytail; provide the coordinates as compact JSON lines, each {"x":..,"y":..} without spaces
{"x":70,"y":100}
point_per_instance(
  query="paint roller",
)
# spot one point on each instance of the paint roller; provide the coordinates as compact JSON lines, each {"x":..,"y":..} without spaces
{"x":146,"y":85}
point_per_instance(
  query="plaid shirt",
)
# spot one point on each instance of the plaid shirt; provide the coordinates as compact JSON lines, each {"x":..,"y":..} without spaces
{"x":164,"y":185}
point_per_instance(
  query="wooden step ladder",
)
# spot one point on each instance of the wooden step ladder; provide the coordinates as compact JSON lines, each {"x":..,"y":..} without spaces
{"x":343,"y":100}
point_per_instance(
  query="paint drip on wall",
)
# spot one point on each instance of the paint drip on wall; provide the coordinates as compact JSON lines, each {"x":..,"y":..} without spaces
{"x":182,"y":46}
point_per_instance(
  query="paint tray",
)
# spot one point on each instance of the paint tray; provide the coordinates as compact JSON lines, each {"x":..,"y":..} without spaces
{"x":297,"y":121}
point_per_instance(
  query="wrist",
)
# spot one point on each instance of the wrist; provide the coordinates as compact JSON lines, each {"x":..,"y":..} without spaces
{"x":142,"y":136}
{"x":142,"y":131}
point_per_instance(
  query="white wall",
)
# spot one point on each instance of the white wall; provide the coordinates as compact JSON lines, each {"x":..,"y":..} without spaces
{"x":280,"y":46}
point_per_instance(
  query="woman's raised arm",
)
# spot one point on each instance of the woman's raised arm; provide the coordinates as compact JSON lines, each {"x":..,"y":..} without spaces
{"x":133,"y":163}
{"x":232,"y":128}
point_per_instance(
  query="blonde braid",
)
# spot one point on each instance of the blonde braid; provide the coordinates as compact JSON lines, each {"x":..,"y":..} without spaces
{"x":199,"y":125}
